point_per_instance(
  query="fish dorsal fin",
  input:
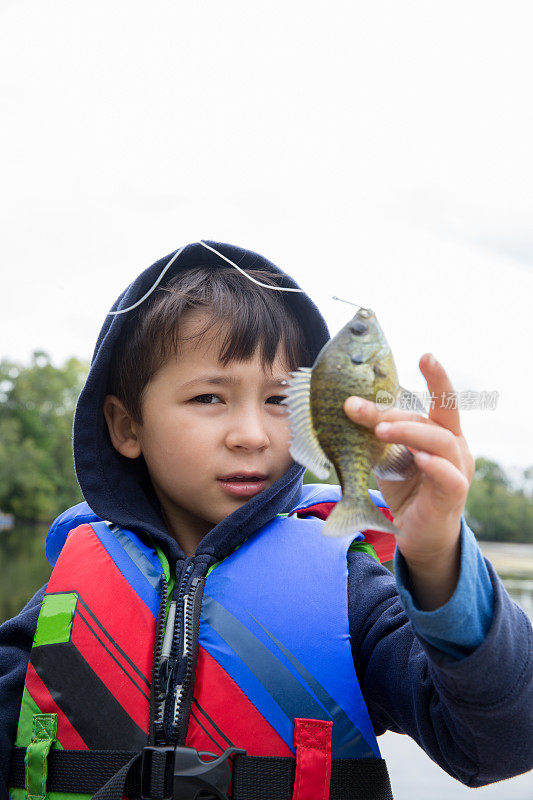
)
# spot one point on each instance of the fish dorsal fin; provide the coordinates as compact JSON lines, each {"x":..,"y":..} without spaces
{"x":305,"y":447}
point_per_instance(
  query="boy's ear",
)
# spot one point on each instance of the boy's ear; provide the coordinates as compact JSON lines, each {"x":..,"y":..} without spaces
{"x":122,"y":429}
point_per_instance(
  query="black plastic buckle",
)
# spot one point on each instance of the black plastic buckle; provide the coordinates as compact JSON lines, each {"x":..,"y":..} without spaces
{"x":172,"y":773}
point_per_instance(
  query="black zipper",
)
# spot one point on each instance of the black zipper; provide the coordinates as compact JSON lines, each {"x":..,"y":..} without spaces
{"x":191,"y":626}
{"x":172,"y":665}
{"x":157,"y":700}
{"x":175,"y":658}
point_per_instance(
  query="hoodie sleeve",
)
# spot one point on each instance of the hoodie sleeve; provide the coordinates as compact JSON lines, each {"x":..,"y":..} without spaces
{"x":461,"y":624}
{"x":16,"y":638}
{"x":473,"y":716}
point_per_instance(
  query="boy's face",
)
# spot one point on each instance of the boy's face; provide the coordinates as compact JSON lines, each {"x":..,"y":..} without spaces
{"x":212,"y":436}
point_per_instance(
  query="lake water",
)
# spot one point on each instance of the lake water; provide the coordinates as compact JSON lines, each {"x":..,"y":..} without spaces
{"x":414,"y":776}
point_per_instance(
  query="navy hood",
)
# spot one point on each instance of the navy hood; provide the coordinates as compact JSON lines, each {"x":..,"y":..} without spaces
{"x":118,"y":488}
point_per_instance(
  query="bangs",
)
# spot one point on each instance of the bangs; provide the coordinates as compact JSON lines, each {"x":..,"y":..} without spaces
{"x":244,"y":323}
{"x":246,"y":318}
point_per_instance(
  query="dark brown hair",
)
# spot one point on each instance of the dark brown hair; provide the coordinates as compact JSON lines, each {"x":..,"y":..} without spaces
{"x":254,"y":317}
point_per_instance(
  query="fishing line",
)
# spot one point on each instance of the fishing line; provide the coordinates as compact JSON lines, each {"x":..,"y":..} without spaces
{"x":154,"y":286}
{"x":212,"y":249}
{"x":264,"y":285}
{"x":334,"y":297}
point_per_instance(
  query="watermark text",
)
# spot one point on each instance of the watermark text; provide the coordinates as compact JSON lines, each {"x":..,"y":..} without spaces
{"x":468,"y":400}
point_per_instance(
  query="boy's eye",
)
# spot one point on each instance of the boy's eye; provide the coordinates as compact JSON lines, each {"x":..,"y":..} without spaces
{"x":277,"y":399}
{"x":206,"y":399}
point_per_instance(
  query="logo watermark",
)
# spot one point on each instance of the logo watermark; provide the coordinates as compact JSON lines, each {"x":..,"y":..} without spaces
{"x":468,"y":400}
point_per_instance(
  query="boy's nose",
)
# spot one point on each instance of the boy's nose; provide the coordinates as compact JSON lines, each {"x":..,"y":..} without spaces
{"x":247,"y":431}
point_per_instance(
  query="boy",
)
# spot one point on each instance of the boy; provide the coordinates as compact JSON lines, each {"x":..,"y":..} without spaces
{"x":206,"y":615}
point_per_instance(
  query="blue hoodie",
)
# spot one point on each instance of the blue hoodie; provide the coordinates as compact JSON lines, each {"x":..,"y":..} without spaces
{"x":458,"y":680}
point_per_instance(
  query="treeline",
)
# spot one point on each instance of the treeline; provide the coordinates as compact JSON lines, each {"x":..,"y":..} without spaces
{"x":37,"y":478}
{"x":498,"y":509}
{"x":37,"y":403}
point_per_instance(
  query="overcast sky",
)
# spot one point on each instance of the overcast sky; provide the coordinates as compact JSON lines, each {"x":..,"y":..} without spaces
{"x":380,"y":151}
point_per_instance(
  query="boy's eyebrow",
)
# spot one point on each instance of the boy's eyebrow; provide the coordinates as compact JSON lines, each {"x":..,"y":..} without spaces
{"x":229,"y":380}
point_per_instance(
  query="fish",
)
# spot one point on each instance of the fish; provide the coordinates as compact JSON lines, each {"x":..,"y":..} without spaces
{"x":357,"y":361}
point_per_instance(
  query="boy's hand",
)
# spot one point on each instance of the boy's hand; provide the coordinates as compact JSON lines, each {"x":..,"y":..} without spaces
{"x":427,"y":508}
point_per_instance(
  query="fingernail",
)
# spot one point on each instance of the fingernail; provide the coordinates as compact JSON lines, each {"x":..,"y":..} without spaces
{"x":433,"y":361}
{"x":354,"y":403}
{"x":383,"y":427}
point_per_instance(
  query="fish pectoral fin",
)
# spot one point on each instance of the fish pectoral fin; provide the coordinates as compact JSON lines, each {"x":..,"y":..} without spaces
{"x":397,"y":464}
{"x":305,"y":447}
{"x":350,"y":516}
{"x":410,"y":401}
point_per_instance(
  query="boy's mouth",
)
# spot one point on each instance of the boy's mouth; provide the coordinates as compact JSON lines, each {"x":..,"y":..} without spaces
{"x":243,"y":484}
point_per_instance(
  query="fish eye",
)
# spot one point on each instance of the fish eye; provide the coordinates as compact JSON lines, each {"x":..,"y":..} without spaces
{"x":358,"y":328}
{"x":357,"y":359}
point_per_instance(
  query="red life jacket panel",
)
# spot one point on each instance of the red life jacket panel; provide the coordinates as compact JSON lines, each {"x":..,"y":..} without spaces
{"x":272,"y":651}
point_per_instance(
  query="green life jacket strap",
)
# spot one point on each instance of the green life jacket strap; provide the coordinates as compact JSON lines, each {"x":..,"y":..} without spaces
{"x":36,"y":758}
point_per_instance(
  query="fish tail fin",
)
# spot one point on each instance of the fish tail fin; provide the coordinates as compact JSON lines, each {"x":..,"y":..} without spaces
{"x":351,"y":515}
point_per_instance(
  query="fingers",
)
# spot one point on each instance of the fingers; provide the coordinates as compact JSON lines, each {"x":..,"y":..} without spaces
{"x":429,"y":438}
{"x":415,"y":432}
{"x":448,"y":481}
{"x":440,"y":387}
{"x":366,"y":413}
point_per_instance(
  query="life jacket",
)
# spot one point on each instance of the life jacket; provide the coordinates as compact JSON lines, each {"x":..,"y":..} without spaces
{"x":249,"y":662}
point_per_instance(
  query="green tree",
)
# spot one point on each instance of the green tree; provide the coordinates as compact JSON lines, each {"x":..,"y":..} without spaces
{"x":527,"y":481}
{"x":37,"y":404}
{"x":494,"y":510}
{"x":490,"y":473}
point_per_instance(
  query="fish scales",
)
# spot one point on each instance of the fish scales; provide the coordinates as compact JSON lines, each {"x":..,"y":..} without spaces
{"x":358,"y":361}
